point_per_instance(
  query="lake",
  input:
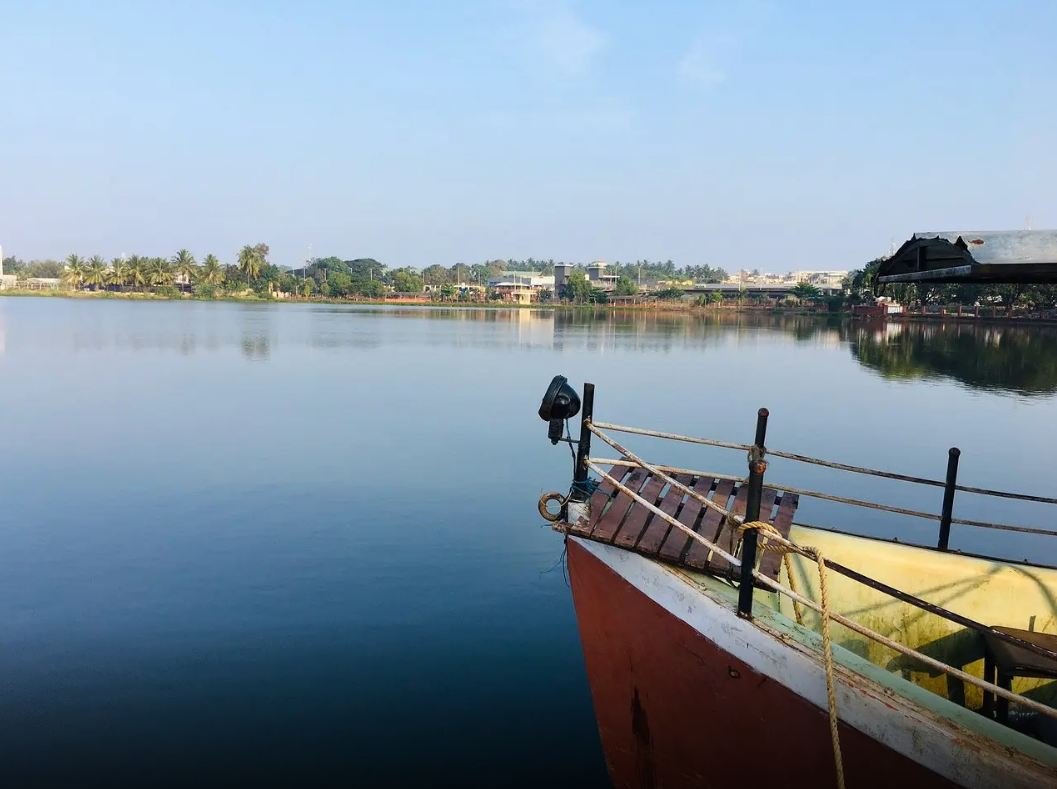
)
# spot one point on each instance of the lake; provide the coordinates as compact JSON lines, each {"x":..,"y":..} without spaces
{"x":299,"y":543}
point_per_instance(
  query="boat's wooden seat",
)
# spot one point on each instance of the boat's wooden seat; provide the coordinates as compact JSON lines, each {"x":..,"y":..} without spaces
{"x":619,"y":520}
{"x":1008,"y":660}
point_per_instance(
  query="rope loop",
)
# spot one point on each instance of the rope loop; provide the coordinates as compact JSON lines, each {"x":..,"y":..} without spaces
{"x":545,"y":499}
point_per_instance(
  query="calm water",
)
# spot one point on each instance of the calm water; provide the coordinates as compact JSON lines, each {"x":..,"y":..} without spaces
{"x":298,"y":544}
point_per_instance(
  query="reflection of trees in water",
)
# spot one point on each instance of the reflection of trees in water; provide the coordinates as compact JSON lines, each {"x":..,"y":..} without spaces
{"x":653,"y":329}
{"x":594,"y":329}
{"x":256,"y":346}
{"x":989,"y":356}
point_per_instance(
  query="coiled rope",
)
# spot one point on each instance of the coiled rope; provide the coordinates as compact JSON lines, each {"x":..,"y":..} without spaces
{"x":768,"y":535}
{"x":546,"y":498}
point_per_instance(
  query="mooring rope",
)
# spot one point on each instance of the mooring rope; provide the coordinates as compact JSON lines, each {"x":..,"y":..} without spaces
{"x":795,"y":596}
{"x":768,"y":533}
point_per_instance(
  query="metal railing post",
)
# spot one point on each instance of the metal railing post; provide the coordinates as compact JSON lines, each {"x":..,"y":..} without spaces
{"x":749,"y":538}
{"x":948,"y":497}
{"x":583,"y":446}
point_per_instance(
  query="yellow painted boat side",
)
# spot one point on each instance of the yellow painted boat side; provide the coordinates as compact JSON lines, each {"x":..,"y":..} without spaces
{"x":988,"y":591}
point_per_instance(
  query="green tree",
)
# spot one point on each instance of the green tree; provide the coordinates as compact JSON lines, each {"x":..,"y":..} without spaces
{"x":625,"y":287}
{"x":288,"y":282}
{"x":211,"y":273}
{"x":577,"y":288}
{"x":340,"y":284}
{"x":159,"y":273}
{"x":73,"y":274}
{"x":252,"y":259}
{"x":670,"y":294}
{"x":118,"y":274}
{"x":406,"y":281}
{"x":138,"y":272}
{"x":95,"y":273}
{"x":805,"y":291}
{"x":184,"y":266}
{"x":435,"y":275}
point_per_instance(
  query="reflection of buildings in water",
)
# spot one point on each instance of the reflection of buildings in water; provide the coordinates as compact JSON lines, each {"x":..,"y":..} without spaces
{"x":1017,"y":359}
{"x":662,"y":330}
{"x":534,"y":328}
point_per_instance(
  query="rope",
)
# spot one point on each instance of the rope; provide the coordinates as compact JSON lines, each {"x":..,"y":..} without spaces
{"x":545,"y":513}
{"x":795,"y":596}
{"x":769,"y":533}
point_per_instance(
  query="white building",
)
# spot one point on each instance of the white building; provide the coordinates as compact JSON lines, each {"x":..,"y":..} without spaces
{"x":6,"y":280}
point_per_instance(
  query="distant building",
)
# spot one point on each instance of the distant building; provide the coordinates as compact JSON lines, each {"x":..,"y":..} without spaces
{"x":821,"y":279}
{"x":41,"y":283}
{"x":596,"y":275}
{"x":522,"y":287}
{"x":6,"y":280}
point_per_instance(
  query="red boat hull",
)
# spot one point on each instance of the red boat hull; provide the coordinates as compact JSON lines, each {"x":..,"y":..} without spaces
{"x":675,"y":709}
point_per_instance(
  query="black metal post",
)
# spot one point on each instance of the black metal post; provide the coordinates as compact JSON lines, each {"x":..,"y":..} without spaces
{"x":583,"y":447}
{"x":948,"y":497}
{"x":757,"y":467}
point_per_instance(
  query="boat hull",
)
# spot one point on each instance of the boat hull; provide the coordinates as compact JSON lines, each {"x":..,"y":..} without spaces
{"x":681,"y":705}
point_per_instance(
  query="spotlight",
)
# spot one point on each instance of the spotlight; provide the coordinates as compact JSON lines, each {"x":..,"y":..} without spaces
{"x":560,"y":403}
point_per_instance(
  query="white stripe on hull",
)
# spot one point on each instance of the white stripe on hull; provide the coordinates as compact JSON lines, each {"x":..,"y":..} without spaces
{"x":931,"y":737}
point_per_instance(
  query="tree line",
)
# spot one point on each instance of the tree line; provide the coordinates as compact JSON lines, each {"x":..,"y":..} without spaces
{"x":324,"y":276}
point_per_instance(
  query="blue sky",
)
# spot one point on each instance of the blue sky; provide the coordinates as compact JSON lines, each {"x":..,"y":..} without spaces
{"x":770,"y":135}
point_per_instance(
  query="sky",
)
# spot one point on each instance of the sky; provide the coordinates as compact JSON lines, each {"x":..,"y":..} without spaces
{"x":765,"y":135}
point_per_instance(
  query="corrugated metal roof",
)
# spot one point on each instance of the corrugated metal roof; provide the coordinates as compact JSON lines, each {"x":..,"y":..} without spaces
{"x":1016,"y":256}
{"x":1004,"y":247}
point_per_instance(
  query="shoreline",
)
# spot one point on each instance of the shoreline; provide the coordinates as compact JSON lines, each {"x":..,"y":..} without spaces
{"x":655,"y":308}
{"x":489,"y":305}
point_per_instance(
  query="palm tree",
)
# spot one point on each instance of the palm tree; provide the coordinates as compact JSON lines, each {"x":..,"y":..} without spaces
{"x":138,"y":274}
{"x":159,"y":273}
{"x":95,"y":274}
{"x":212,"y":273}
{"x":251,"y":261}
{"x":73,"y":274}
{"x":184,"y":267}
{"x":119,"y":272}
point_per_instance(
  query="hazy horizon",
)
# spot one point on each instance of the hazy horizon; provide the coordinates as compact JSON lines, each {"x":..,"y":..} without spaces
{"x":753,"y":135}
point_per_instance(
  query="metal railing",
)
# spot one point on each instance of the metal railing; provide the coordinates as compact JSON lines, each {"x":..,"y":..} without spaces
{"x":950,"y":486}
{"x":750,"y":577}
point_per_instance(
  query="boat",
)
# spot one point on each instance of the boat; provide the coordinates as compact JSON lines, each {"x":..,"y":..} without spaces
{"x":727,"y":644}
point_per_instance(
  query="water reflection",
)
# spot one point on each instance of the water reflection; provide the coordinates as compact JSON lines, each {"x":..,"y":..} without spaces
{"x":1021,"y":360}
{"x":1014,"y":359}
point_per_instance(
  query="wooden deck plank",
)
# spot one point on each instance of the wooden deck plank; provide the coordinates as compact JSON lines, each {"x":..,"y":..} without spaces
{"x":657,"y":528}
{"x":771,"y":561}
{"x":608,"y":525}
{"x":597,"y":503}
{"x":727,"y":537}
{"x":698,"y":554}
{"x":635,"y":522}
{"x":675,"y":544}
{"x":619,"y":519}
{"x":692,"y":512}
{"x":767,"y":497}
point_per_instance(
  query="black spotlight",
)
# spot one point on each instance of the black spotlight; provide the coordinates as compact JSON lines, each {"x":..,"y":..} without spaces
{"x":560,"y":403}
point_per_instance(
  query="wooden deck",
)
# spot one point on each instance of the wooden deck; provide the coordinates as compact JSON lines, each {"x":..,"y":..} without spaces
{"x":619,"y":520}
